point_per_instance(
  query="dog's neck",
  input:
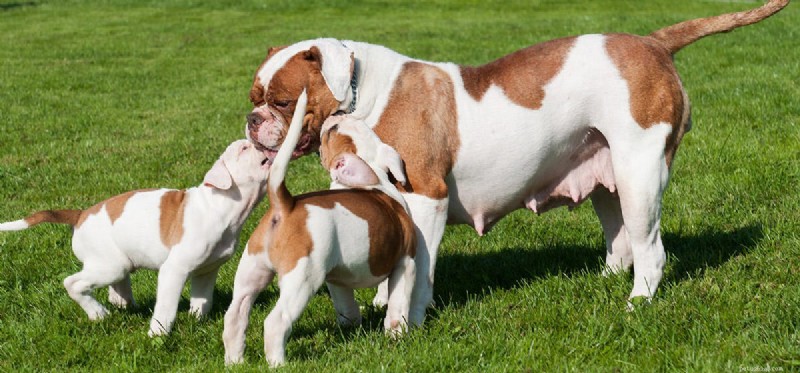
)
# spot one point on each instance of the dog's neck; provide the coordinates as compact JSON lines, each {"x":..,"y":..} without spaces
{"x":375,"y":69}
{"x":233,"y":205}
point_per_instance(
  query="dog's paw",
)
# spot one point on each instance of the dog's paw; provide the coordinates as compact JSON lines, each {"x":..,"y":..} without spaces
{"x":119,"y":301}
{"x":97,"y":313}
{"x":638,"y":302}
{"x":157,"y":329}
{"x":233,"y":360}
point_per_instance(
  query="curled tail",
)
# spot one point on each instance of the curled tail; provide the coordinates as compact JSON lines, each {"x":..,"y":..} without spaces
{"x":70,"y":217}
{"x":279,"y":196}
{"x":682,"y":34}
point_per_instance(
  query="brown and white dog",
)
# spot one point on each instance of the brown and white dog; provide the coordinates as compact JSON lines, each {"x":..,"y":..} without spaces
{"x":181,"y":233}
{"x":591,"y":116}
{"x":351,"y":238}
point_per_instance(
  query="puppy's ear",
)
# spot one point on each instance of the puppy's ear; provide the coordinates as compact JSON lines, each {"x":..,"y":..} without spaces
{"x":218,"y":176}
{"x":390,"y":161}
{"x":352,"y":171}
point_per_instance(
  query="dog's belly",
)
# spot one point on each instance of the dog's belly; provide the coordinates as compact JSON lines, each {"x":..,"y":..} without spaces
{"x":513,"y":157}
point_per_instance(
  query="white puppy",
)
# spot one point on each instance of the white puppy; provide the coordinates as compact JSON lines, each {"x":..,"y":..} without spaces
{"x":182,"y":233}
{"x":351,"y":238}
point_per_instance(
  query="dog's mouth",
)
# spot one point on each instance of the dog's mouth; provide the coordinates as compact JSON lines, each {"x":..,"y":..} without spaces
{"x":303,"y":147}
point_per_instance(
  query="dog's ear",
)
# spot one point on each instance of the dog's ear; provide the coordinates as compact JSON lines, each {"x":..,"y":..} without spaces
{"x":272,"y":50}
{"x":336,"y":62}
{"x":390,"y":161}
{"x":218,"y":176}
{"x":352,"y":171}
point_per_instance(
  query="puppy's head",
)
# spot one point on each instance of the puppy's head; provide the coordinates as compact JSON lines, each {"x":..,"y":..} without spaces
{"x":353,"y":154}
{"x":322,"y":66}
{"x":241,"y":164}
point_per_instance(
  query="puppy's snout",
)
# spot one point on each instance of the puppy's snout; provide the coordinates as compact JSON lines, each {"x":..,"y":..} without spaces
{"x":253,"y":121}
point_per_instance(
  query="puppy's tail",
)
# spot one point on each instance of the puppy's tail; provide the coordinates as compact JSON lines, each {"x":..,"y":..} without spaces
{"x":677,"y":36}
{"x":279,"y":196}
{"x":70,"y":217}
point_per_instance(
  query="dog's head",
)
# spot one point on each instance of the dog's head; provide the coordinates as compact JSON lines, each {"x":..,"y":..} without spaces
{"x":241,"y":164}
{"x":355,"y":156}
{"x":323,"y":67}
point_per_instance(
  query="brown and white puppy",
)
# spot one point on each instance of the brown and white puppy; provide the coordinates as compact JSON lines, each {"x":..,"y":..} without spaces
{"x":349,"y":238}
{"x":597,"y":116}
{"x":181,"y":233}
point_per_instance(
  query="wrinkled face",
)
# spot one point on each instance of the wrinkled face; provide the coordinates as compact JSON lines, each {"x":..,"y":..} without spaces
{"x":276,"y":86}
{"x":245,"y":163}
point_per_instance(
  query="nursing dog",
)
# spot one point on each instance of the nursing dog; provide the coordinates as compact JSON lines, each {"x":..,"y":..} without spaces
{"x":591,"y":116}
{"x":181,"y":233}
{"x":351,"y":238}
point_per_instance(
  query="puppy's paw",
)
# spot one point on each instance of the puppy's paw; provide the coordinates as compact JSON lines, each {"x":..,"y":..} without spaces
{"x":120,"y":301}
{"x":199,"y":310}
{"x":157,"y":329}
{"x":233,"y":360}
{"x":97,"y":313}
{"x":637,"y":302}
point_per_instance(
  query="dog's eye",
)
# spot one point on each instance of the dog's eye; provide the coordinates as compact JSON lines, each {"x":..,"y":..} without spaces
{"x":282,"y":104}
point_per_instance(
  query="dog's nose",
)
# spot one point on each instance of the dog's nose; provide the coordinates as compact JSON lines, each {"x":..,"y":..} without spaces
{"x":253,"y":121}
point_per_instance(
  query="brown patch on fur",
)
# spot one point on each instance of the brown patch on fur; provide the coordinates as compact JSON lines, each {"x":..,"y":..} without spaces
{"x":114,"y":206}
{"x":656,"y":94}
{"x":521,"y":75}
{"x":333,"y":145}
{"x":173,"y":204}
{"x":286,"y":236}
{"x":420,"y":122}
{"x":70,"y":217}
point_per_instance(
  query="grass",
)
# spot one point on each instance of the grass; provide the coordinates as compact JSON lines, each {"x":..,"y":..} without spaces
{"x":101,"y":97}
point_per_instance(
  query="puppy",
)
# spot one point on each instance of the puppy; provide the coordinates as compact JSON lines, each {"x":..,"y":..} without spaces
{"x":351,"y":238}
{"x":182,"y":233}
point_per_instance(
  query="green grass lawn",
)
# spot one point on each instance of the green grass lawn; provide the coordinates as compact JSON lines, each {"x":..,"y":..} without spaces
{"x":101,"y":97}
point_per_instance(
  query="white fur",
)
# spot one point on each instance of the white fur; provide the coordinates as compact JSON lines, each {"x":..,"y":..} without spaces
{"x":212,"y":221}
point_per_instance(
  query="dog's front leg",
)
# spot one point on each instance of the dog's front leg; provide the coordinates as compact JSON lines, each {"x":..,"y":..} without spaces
{"x":171,"y":278}
{"x":202,"y":292}
{"x":430,"y":218}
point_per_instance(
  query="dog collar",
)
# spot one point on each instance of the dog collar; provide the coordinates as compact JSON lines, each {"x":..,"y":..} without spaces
{"x":353,"y":87}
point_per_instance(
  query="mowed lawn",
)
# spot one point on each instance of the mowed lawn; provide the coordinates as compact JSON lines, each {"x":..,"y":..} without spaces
{"x":101,"y":97}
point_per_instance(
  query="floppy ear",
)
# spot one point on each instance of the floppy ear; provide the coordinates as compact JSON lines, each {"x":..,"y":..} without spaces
{"x":352,"y":171}
{"x":390,"y":161}
{"x":336,"y":65}
{"x":218,"y":176}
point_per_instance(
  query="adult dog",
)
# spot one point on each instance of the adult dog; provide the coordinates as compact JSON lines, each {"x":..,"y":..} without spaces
{"x":597,"y":116}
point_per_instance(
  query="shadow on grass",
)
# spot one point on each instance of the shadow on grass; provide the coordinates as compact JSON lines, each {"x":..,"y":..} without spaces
{"x":460,"y":277}
{"x":11,"y":6}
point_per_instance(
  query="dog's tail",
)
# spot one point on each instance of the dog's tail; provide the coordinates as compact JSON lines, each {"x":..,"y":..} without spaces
{"x":70,"y":217}
{"x":682,"y":34}
{"x":279,"y":195}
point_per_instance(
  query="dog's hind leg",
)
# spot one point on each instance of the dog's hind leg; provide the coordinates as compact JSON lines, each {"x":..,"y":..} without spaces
{"x":120,"y":293}
{"x":619,"y":257}
{"x":202,"y":292}
{"x":641,"y":174}
{"x":401,"y":286}
{"x":347,"y":311}
{"x":81,"y":285}
{"x":297,"y":288}
{"x":251,"y":278}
